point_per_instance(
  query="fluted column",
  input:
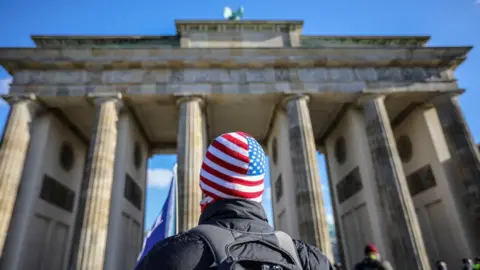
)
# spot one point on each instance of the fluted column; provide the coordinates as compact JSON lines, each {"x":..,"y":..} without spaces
{"x":398,"y":213}
{"x":190,"y":155}
{"x":312,"y":219}
{"x":99,"y":174}
{"x":464,"y":165}
{"x":13,"y":151}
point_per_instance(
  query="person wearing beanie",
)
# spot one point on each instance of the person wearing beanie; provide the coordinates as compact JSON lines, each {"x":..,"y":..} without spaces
{"x":372,"y":260}
{"x":467,"y":264}
{"x":441,"y":265}
{"x":233,"y":227}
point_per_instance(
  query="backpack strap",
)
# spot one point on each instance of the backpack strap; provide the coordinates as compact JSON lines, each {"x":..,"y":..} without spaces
{"x":286,"y":243}
{"x":217,"y":239}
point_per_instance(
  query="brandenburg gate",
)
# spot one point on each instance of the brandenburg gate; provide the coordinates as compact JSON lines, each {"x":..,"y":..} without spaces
{"x":87,"y":113}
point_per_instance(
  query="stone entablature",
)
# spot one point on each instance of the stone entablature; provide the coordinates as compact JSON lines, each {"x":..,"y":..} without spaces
{"x":239,"y":76}
{"x":342,"y":90}
{"x":14,"y":59}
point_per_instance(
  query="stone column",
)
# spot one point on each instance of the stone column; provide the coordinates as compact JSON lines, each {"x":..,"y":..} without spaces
{"x":99,"y":174}
{"x":464,"y":165}
{"x":13,"y":151}
{"x":398,"y":213}
{"x":190,"y":156}
{"x":311,"y":216}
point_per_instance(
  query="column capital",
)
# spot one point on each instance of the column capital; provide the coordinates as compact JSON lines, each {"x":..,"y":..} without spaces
{"x":185,"y":98}
{"x":12,"y":99}
{"x":100,"y":98}
{"x":444,"y":97}
{"x":365,"y":98}
{"x":289,"y":97}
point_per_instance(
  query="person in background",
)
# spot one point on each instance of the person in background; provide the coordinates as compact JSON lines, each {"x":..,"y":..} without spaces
{"x":441,"y":265}
{"x":467,"y":264}
{"x":372,"y":260}
{"x":476,"y":264}
{"x":232,"y":182}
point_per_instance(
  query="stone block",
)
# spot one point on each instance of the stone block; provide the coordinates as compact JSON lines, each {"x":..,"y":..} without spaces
{"x":312,"y":74}
{"x":260,"y":75}
{"x":21,"y":77}
{"x":68,"y":77}
{"x":340,"y":74}
{"x":365,"y":74}
{"x":95,"y":77}
{"x":282,"y":87}
{"x":230,"y":88}
{"x":286,"y":74}
{"x":389,"y":74}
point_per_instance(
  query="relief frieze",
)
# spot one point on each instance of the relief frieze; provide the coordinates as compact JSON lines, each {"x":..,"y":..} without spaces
{"x":177,"y":76}
{"x":312,"y":74}
{"x":94,"y":77}
{"x":389,"y":74}
{"x":69,"y":76}
{"x":239,"y":76}
{"x":282,"y":74}
{"x":341,"y":74}
{"x":260,"y":75}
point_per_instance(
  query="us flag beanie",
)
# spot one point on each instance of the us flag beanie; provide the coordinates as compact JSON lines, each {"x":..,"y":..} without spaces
{"x":233,"y":168}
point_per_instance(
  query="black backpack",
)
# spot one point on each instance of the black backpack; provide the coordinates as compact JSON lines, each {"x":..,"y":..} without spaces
{"x":235,"y":250}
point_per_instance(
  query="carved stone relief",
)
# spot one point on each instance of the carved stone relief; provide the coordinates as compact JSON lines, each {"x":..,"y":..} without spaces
{"x":177,"y":76}
{"x":340,"y":74}
{"x":191,"y":76}
{"x":282,"y":74}
{"x":94,"y":77}
{"x":312,"y":74}
{"x":389,"y":74}
{"x":259,"y":75}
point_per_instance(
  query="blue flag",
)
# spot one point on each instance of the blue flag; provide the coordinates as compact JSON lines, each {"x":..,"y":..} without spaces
{"x":161,"y":227}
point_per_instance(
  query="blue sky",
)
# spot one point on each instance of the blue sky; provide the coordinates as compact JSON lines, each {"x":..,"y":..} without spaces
{"x":449,"y":22}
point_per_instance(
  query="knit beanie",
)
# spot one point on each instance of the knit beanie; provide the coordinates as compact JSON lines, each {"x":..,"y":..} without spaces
{"x":233,"y":168}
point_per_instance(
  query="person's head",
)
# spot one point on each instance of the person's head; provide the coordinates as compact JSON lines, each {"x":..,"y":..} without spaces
{"x":233,"y":168}
{"x":371,"y":251}
{"x":441,"y":264}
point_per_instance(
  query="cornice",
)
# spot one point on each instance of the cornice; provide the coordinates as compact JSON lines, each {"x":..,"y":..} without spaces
{"x":35,"y":58}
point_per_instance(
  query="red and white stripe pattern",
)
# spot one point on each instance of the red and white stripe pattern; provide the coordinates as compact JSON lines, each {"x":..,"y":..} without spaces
{"x":233,"y":168}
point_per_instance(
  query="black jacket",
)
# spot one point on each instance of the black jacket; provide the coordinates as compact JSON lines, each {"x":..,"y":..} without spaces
{"x":187,"y":251}
{"x":370,"y":264}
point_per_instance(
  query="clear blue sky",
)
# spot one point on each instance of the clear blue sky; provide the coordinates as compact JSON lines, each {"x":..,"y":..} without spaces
{"x":448,"y":22}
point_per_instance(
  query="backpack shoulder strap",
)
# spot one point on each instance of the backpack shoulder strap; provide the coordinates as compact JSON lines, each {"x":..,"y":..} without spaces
{"x":217,"y":239}
{"x":286,"y":243}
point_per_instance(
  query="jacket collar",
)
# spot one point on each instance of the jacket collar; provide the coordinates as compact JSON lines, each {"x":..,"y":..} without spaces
{"x":243,"y":215}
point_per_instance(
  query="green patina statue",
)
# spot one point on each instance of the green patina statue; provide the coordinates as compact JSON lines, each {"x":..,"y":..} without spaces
{"x":233,"y":16}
